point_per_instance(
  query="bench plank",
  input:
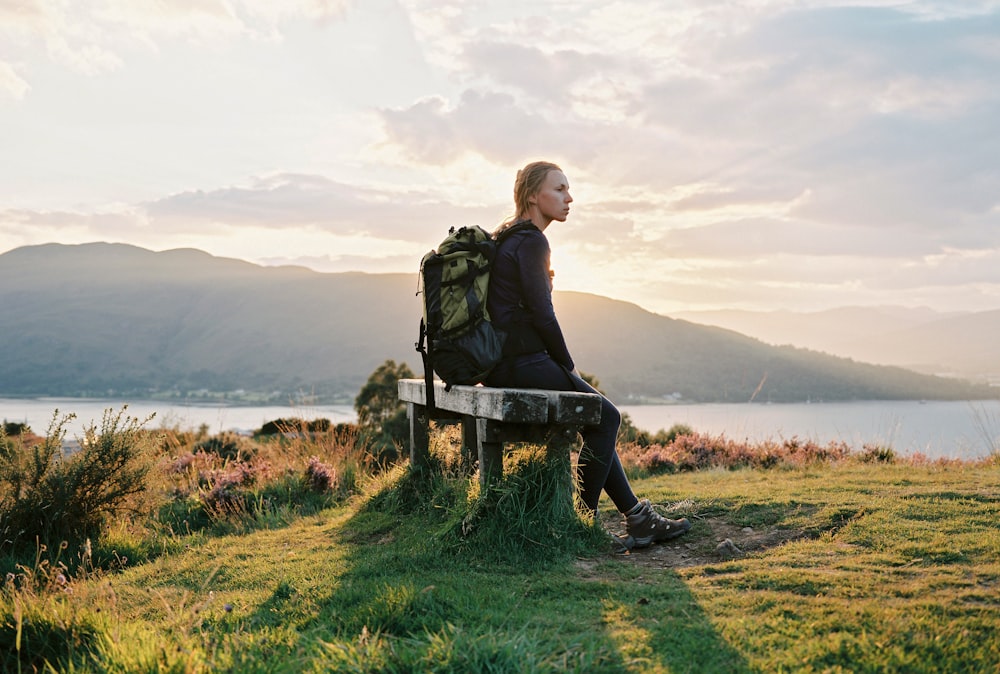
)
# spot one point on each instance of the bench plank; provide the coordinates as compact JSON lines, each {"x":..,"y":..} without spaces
{"x":510,"y":405}
{"x":570,"y":407}
{"x":500,"y":404}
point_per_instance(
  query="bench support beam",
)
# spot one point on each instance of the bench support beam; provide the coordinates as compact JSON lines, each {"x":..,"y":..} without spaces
{"x":419,"y":435}
{"x":490,"y":449}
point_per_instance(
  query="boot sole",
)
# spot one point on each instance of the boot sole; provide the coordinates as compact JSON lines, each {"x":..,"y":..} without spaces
{"x":646,"y":541}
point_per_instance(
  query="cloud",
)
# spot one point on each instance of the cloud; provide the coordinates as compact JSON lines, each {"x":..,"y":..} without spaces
{"x":23,"y":14}
{"x":493,"y":125}
{"x":662,"y":282}
{"x":92,"y":38}
{"x":885,"y":119}
{"x":11,"y":82}
{"x":290,"y":201}
{"x":719,"y":151}
{"x":540,"y":74}
{"x":21,"y":227}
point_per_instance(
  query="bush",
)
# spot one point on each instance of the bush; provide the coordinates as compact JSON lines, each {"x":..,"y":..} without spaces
{"x":321,"y":477}
{"x":50,"y":496}
{"x":294,"y":425}
{"x":15,"y":428}
{"x":228,"y":446}
{"x":628,"y":433}
{"x":381,"y":416}
{"x":274,"y":477}
{"x":663,"y":437}
{"x":877,"y":454}
{"x":698,"y":451}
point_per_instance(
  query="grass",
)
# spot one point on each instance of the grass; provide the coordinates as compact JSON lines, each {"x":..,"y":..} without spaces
{"x":851,"y":564}
{"x":899,"y":573}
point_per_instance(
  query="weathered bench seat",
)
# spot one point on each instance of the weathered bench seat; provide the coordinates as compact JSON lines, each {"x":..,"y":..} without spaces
{"x":491,"y":417}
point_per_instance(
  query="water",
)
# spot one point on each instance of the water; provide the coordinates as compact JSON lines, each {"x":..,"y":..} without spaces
{"x":962,"y":430}
{"x":965,"y":430}
{"x":37,"y":413}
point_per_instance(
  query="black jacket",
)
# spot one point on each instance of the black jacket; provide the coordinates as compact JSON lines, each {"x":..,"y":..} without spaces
{"x":520,"y":296}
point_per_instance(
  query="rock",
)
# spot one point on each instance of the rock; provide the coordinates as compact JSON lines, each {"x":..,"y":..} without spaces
{"x":727,"y":549}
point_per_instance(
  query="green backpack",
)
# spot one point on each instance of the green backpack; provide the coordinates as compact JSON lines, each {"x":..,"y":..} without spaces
{"x":457,"y":340}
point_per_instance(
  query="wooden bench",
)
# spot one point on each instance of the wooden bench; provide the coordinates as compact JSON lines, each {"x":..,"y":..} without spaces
{"x":491,"y":417}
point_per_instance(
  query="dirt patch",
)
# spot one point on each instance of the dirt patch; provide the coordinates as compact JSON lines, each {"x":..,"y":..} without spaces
{"x":711,"y":540}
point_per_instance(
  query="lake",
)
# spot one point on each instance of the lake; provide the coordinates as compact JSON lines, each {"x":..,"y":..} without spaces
{"x":37,"y":413}
{"x":965,"y":430}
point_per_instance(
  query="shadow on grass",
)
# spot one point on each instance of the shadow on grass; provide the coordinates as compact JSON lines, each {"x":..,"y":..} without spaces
{"x":658,"y":624}
{"x":437,"y":597}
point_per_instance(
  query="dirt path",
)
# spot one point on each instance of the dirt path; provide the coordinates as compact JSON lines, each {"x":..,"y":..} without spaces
{"x":711,"y":540}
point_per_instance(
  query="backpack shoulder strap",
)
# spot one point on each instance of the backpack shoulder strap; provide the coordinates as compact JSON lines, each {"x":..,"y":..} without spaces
{"x":519,"y":226}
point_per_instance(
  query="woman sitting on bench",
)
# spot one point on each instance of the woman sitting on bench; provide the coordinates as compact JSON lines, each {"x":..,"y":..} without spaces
{"x":535,"y":353}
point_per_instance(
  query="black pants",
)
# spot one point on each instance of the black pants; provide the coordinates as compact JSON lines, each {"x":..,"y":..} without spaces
{"x":599,"y":467}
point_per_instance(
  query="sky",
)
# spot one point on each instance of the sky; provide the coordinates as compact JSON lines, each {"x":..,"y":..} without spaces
{"x":759,"y":155}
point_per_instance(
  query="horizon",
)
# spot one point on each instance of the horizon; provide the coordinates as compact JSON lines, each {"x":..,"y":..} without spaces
{"x":679,"y":312}
{"x":721,"y":157}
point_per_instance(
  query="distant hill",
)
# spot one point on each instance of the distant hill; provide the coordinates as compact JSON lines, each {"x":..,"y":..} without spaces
{"x":960,"y":344}
{"x":99,"y":318}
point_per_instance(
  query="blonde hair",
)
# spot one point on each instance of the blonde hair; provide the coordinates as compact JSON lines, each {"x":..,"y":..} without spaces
{"x":528,"y":182}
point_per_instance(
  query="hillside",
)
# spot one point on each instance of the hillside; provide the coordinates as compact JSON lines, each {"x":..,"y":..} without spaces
{"x":95,"y":318}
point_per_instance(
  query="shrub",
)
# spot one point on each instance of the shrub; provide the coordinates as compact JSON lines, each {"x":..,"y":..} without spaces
{"x":629,"y":433}
{"x":224,"y":502}
{"x":294,"y":425}
{"x":381,"y":416}
{"x":877,"y":454}
{"x":227,"y":445}
{"x":15,"y":428}
{"x":190,"y":464}
{"x":663,"y":437}
{"x":55,"y":497}
{"x":227,"y":491}
{"x":697,"y":451}
{"x":275,"y":476}
{"x":320,"y":477}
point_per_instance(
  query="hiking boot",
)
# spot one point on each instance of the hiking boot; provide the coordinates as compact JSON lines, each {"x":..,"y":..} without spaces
{"x":646,"y":526}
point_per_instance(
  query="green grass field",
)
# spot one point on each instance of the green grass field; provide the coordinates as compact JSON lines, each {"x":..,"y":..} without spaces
{"x":840,"y":567}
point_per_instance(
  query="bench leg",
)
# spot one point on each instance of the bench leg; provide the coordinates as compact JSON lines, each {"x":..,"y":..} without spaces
{"x":490,"y":444}
{"x":419,"y":436}
{"x":470,"y":442}
{"x":561,"y":441}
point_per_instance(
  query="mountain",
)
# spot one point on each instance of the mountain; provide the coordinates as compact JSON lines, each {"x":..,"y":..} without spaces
{"x":99,"y":318}
{"x":958,"y":344}
{"x":86,"y":319}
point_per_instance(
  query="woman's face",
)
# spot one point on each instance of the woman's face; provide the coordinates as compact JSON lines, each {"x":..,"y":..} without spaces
{"x":553,"y":199}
